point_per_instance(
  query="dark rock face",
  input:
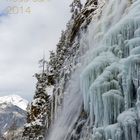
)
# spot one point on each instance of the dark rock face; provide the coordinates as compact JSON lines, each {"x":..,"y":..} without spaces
{"x":83,"y":16}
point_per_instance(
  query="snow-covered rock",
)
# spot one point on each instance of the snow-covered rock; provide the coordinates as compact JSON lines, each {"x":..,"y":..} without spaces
{"x":12,"y":114}
{"x":15,"y":100}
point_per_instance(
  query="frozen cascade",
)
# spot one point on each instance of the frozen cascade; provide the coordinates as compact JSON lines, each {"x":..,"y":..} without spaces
{"x":92,"y":71}
{"x":108,"y":79}
{"x":105,"y":82}
{"x":114,"y":88}
{"x":70,"y":113}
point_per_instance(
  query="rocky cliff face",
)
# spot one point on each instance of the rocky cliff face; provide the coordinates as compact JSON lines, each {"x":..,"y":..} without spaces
{"x":95,"y":74}
{"x":62,"y":63}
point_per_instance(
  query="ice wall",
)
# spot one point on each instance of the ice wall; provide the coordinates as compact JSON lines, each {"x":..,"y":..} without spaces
{"x":111,"y":77}
{"x":108,"y":79}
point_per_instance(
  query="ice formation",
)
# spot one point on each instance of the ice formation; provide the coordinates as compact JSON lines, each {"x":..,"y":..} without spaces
{"x":109,"y":75}
{"x":110,"y":84}
{"x":70,"y":113}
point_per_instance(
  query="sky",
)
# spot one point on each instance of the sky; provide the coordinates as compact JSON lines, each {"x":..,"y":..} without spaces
{"x":24,"y":36}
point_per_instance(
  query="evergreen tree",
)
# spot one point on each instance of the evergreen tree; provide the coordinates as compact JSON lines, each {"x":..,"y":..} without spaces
{"x":42,"y":64}
{"x":76,"y":7}
{"x":38,"y":119}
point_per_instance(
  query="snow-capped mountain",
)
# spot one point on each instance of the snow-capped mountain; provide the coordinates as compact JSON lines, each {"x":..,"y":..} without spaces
{"x":12,"y":114}
{"x":15,"y":100}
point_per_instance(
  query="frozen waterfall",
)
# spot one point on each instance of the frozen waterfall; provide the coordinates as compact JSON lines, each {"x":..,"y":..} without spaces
{"x":109,"y":79}
{"x":68,"y":116}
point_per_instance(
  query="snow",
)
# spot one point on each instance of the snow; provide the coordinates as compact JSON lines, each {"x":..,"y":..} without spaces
{"x":15,"y":100}
{"x":37,"y":101}
{"x":49,"y":90}
{"x":35,"y":123}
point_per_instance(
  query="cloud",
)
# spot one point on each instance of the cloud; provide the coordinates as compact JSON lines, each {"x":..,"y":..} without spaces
{"x":23,"y":37}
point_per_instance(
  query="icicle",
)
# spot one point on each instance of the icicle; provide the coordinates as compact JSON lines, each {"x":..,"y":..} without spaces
{"x":138,"y":110}
{"x":102,"y":84}
{"x":113,"y":105}
{"x":137,"y":33}
{"x":131,"y":79}
{"x":128,"y":120}
{"x":92,"y":71}
{"x":113,"y":132}
{"x":98,"y":133}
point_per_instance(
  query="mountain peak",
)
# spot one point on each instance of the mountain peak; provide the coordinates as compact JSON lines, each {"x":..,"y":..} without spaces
{"x":15,"y":100}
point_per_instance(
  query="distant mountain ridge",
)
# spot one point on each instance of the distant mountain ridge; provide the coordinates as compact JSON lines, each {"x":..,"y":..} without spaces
{"x":12,"y":114}
{"x":15,"y":100}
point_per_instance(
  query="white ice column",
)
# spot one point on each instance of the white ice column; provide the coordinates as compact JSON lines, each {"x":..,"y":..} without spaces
{"x":92,"y":71}
{"x":128,"y":121}
{"x":113,"y":103}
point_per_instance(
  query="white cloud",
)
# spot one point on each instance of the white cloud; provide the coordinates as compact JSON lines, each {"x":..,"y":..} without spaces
{"x":22,"y":40}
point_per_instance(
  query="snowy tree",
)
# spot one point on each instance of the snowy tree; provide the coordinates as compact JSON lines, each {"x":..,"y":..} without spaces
{"x":76,"y":7}
{"x":42,"y":64}
{"x":38,"y":119}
